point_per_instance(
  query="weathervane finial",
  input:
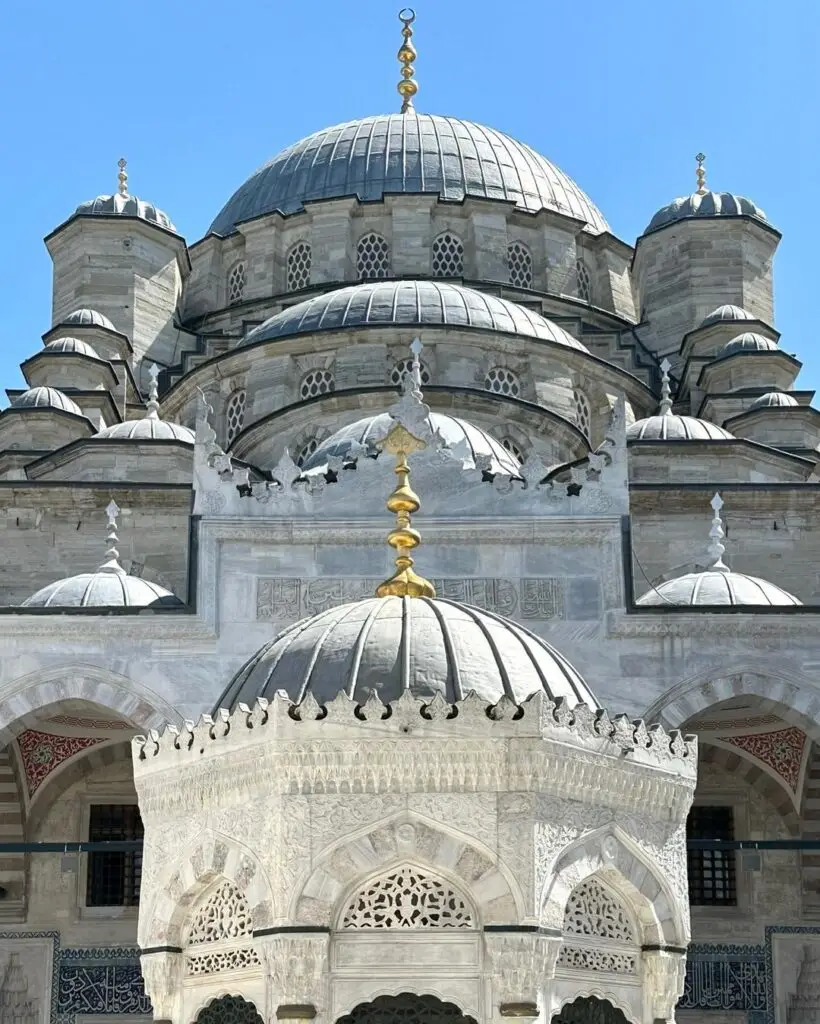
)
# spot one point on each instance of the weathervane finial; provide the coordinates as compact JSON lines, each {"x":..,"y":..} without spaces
{"x":122,"y":177}
{"x":408,"y":87}
{"x":701,"y":174}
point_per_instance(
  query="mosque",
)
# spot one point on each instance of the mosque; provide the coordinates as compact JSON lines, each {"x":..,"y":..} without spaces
{"x":557,"y":740}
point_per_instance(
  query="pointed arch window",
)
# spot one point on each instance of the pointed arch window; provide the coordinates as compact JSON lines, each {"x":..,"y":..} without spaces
{"x":235,"y":414}
{"x":583,"y":279}
{"x":372,"y":258}
{"x":583,"y":415}
{"x":236,"y":283}
{"x":448,"y":255}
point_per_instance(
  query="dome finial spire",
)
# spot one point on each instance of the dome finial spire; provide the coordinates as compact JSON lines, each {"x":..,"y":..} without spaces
{"x":666,"y":392}
{"x":403,"y":502}
{"x":716,"y":535}
{"x":112,"y":555}
{"x":701,"y":174}
{"x":407,"y":87}
{"x":153,"y":393}
{"x":122,"y":177}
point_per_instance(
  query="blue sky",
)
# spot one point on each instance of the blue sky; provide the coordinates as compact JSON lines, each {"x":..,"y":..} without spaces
{"x":196,"y":96}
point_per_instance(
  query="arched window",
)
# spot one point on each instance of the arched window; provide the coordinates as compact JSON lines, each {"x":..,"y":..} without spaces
{"x":582,"y":412}
{"x":236,"y":282}
{"x":372,"y":257}
{"x":305,"y":452}
{"x":299,"y":260}
{"x":519,"y":261}
{"x":598,"y":932}
{"x":407,"y":898}
{"x":502,"y":381}
{"x":448,"y":256}
{"x":317,"y":382}
{"x":404,"y":366}
{"x":512,"y":448}
{"x":211,"y":947}
{"x":235,"y":414}
{"x":582,"y":274}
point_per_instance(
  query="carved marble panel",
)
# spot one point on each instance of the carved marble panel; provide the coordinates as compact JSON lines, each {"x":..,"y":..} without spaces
{"x":26,"y":968}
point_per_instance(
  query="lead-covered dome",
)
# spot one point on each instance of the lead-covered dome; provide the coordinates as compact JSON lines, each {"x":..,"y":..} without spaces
{"x":717,"y":587}
{"x":706,"y":204}
{"x":749,"y":341}
{"x":124,"y":205}
{"x":108,"y":587}
{"x":454,"y":431}
{"x":70,"y":346}
{"x":669,"y":427}
{"x":149,"y":428}
{"x":409,"y":303}
{"x":46,"y":398}
{"x":392,"y":644}
{"x":727,"y":313}
{"x":411,"y":153}
{"x":775,"y":400}
{"x":86,"y":318}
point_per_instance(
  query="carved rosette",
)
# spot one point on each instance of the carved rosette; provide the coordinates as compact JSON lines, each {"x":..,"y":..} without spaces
{"x":663,"y":978}
{"x":522,"y":963}
{"x":162,"y":976}
{"x":297,"y":969}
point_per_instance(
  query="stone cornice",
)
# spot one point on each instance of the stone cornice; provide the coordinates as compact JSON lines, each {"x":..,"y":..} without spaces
{"x":664,"y":622}
{"x":152,"y":628}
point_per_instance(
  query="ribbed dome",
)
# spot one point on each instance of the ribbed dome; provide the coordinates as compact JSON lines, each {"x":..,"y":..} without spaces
{"x":409,"y":153}
{"x":392,"y":644}
{"x":710,"y":204}
{"x":409,"y":303}
{"x":372,"y":428}
{"x":147,"y":429}
{"x":46,"y":398}
{"x":727,"y":313}
{"x":775,"y":399}
{"x":748,"y":342}
{"x":87,"y":318}
{"x":124,"y":206}
{"x":105,"y":588}
{"x":669,"y":427}
{"x":717,"y":587}
{"x":72,"y":346}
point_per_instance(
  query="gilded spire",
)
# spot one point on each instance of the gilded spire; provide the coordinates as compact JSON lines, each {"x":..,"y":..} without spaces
{"x":407,"y":87}
{"x":122,"y":177}
{"x":666,"y":391}
{"x":716,"y":535}
{"x":404,"y":502}
{"x":701,"y":174}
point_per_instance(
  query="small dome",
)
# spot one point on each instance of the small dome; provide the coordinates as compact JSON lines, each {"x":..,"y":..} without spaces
{"x":775,"y":399}
{"x":710,"y":204}
{"x":409,"y":303}
{"x":71,"y":345}
{"x":126,"y":205}
{"x":410,"y":153}
{"x":727,"y":313}
{"x":717,"y":587}
{"x":147,"y":429}
{"x":669,"y":427}
{"x":46,"y":398}
{"x":393,"y":644}
{"x":86,"y":318}
{"x":108,"y":587}
{"x":748,"y":342}
{"x":366,"y":431}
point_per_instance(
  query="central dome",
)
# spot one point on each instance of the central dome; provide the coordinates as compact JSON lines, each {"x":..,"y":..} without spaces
{"x":392,"y":644}
{"x":411,"y":153}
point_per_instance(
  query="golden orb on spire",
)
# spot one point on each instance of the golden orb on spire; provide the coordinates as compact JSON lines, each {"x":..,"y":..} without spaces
{"x":407,"y":87}
{"x":701,"y":174}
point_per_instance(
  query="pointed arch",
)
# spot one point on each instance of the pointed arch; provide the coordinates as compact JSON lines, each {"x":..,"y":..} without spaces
{"x":227,"y":1008}
{"x":662,"y":913}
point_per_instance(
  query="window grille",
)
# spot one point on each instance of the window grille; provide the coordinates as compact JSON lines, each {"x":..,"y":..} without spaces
{"x":236,"y":283}
{"x":235,"y":414}
{"x":512,"y":448}
{"x":519,"y":261}
{"x":582,"y":274}
{"x":372,"y":258}
{"x":448,"y":256}
{"x":582,"y":412}
{"x":404,"y":367}
{"x":114,"y":878}
{"x":317,"y":382}
{"x":502,"y":381}
{"x":712,"y":876}
{"x":305,"y":452}
{"x":299,"y":262}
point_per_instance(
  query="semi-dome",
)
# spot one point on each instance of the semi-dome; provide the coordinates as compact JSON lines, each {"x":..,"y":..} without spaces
{"x":727,"y":313}
{"x":86,"y":318}
{"x":411,"y":153}
{"x":748,"y":342}
{"x":392,"y":644}
{"x":71,"y":346}
{"x":46,"y":398}
{"x":409,"y":303}
{"x":717,"y":587}
{"x":774,"y":400}
{"x":454,"y":431}
{"x":706,"y":204}
{"x":669,"y":427}
{"x":124,"y":205}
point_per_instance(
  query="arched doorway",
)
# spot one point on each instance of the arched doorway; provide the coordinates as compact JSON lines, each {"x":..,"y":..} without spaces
{"x":589,"y":1010}
{"x":229,"y":1010}
{"x":406,"y":1008}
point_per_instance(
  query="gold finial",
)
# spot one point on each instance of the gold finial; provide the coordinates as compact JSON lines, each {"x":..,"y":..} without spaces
{"x":403,"y":502}
{"x":407,"y":87}
{"x":701,"y":173}
{"x":122,"y":176}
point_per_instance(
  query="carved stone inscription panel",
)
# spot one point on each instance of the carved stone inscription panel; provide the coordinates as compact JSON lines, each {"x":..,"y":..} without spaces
{"x":541,"y":598}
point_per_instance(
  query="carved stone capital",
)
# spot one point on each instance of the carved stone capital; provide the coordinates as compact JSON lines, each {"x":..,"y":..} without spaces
{"x":522,"y":963}
{"x":664,"y":975}
{"x":296,"y":965}
{"x":162,"y":976}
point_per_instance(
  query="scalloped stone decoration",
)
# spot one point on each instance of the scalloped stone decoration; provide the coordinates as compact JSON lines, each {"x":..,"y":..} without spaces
{"x":407,"y":898}
{"x":224,"y":915}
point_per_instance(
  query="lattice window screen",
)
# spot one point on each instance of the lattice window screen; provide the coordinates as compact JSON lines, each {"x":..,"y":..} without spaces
{"x":582,"y":412}
{"x":235,"y":414}
{"x":299,"y":263}
{"x":372,"y":257}
{"x":224,"y":915}
{"x":584,"y":284}
{"x":236,"y":283}
{"x":406,"y":898}
{"x":404,"y":367}
{"x":502,"y":381}
{"x":519,"y":261}
{"x":448,"y":256}
{"x":512,"y":448}
{"x":317,"y":382}
{"x":305,"y":452}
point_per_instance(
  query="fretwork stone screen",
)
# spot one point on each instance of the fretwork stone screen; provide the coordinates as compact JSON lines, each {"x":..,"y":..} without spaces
{"x":407,"y":899}
{"x":235,"y":414}
{"x":372,"y":258}
{"x":317,"y":382}
{"x":448,"y":256}
{"x":519,"y":262}
{"x":299,"y":262}
{"x":502,"y":381}
{"x":236,"y":283}
{"x":406,"y":1008}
